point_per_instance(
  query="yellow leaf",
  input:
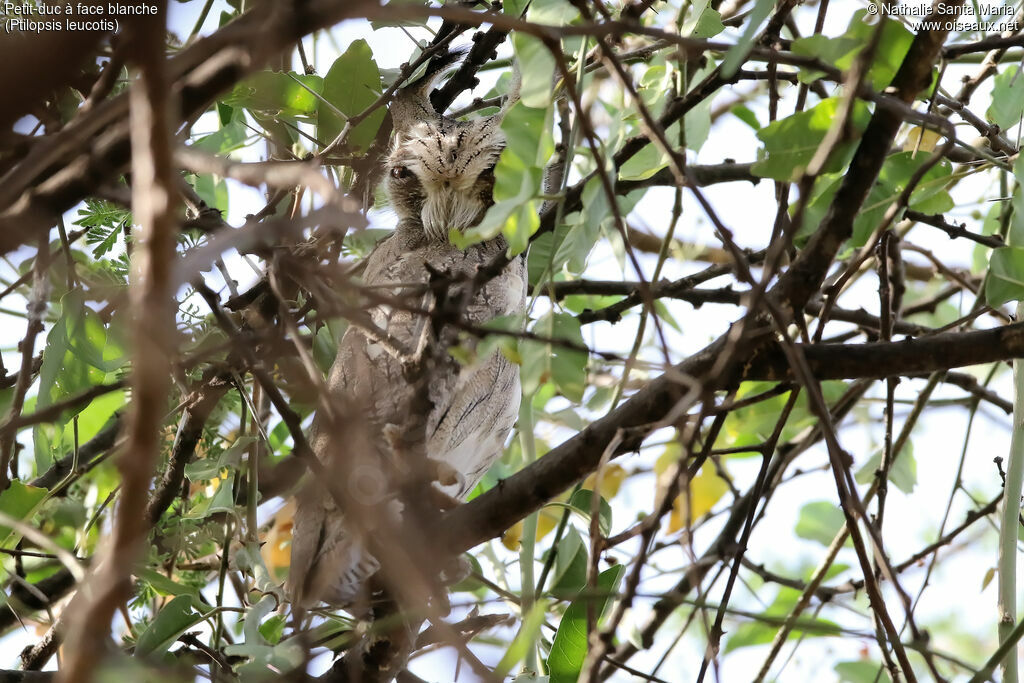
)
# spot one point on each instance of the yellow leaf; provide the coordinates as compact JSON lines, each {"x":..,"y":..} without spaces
{"x":706,"y":489}
{"x":611,"y":479}
{"x":989,"y":575}
{"x":277,"y":541}
{"x":921,"y":139}
{"x":547,"y":520}
{"x":510,"y":539}
{"x":667,"y":458}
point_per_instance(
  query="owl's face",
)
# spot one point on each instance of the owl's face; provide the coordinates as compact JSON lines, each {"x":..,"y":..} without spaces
{"x":440,"y":175}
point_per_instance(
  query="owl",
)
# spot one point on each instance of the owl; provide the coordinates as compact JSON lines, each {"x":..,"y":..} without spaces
{"x":439,"y":177}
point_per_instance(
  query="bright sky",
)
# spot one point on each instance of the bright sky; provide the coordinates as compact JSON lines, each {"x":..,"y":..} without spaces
{"x":955,"y":596}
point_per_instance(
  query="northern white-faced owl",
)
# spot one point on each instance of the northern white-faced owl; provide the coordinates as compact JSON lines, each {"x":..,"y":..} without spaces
{"x":439,"y":177}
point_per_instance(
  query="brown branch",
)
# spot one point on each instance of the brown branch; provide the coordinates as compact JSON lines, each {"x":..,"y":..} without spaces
{"x":88,"y":453}
{"x":484,"y":49}
{"x":991,"y":43}
{"x":972,"y":386}
{"x":82,"y":157}
{"x":43,"y":594}
{"x":939,"y":221}
{"x":490,"y":514}
{"x":797,"y":285}
{"x":36,"y":311}
{"x":200,"y":405}
{"x":705,"y":174}
{"x":204,"y":399}
{"x":152,"y":299}
{"x":8,"y":676}
{"x":53,"y":411}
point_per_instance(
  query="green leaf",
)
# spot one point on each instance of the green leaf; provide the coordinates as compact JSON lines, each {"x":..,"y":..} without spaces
{"x":99,"y":212}
{"x":746,"y":115}
{"x":583,"y":499}
{"x":506,"y":344}
{"x":520,"y":226}
{"x":540,"y":255}
{"x":990,"y":225}
{"x":841,"y":51}
{"x":515,"y":8}
{"x":361,"y":242}
{"x":221,"y":501}
{"x":1015,"y":237}
{"x":929,"y":195}
{"x":989,"y":575}
{"x":273,"y":628}
{"x":545,"y":362}
{"x":862,"y":671}
{"x":653,"y":86}
{"x":213,"y":190}
{"x":734,"y":57}
{"x":276,"y":93}
{"x":889,"y":54}
{"x":164,"y":585}
{"x":87,"y":337}
{"x":708,"y":23}
{"x":20,"y":502}
{"x":551,"y":12}
{"x":352,"y":84}
{"x":517,"y":179}
{"x":892,"y":180}
{"x":569,"y":648}
{"x":903,"y":473}
{"x":584,"y":229}
{"x":536,"y":67}
{"x":763,"y":630}
{"x":95,"y":417}
{"x":1007,"y":98}
{"x":753,"y":424}
{"x":1005,"y":281}
{"x":266,"y":661}
{"x":820,"y":521}
{"x":65,"y":372}
{"x":649,"y":160}
{"x":570,"y":571}
{"x":230,"y":137}
{"x":528,"y":138}
{"x":697,"y":121}
{"x":175,"y":618}
{"x":790,"y":143}
{"x":209,"y":468}
{"x":529,"y":630}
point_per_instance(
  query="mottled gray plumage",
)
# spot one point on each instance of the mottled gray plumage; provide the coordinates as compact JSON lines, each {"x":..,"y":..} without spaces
{"x":439,"y":177}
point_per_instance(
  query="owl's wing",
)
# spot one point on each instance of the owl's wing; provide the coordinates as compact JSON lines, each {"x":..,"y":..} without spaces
{"x":469,"y":432}
{"x":369,"y":371}
{"x":473,"y":408}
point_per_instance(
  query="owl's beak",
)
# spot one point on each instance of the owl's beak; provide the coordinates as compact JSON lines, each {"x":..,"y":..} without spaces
{"x":450,"y":209}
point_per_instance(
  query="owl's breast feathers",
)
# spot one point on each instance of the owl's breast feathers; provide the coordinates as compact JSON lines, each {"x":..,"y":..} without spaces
{"x":474,"y":406}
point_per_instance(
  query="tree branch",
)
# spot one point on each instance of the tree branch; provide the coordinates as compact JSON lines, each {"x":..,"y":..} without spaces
{"x":490,"y":514}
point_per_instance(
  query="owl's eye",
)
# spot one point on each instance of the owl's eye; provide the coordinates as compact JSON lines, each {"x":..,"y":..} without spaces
{"x":401,"y":173}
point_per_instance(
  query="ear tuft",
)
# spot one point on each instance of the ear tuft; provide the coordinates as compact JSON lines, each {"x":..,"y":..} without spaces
{"x":412,"y":102}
